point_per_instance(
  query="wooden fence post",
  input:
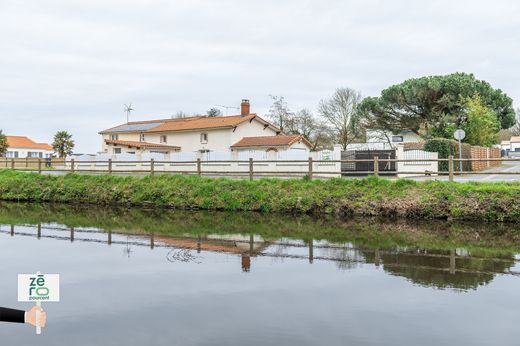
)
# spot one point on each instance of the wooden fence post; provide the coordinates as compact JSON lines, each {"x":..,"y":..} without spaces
{"x":152,"y":166}
{"x":376,"y":166}
{"x":109,"y":166}
{"x":450,"y":167}
{"x":12,"y":163}
{"x":71,"y":165}
{"x":26,"y":162}
{"x":39,"y":166}
{"x":199,"y":167}
{"x":250,"y":168}
{"x":310,"y":168}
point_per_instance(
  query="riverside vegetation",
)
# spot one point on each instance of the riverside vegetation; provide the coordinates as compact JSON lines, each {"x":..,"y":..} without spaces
{"x":364,"y":197}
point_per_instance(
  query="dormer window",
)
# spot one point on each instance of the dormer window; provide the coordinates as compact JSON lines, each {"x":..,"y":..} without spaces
{"x":204,"y":138}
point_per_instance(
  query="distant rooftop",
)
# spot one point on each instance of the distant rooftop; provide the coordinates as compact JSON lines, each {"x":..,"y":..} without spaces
{"x":26,"y":143}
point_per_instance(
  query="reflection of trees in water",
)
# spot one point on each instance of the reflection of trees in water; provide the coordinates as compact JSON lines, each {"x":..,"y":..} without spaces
{"x":346,"y":258}
{"x":430,"y":268}
{"x":442,"y":269}
{"x":181,"y":255}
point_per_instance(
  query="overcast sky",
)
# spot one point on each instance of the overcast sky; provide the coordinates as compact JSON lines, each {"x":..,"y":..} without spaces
{"x":72,"y":65}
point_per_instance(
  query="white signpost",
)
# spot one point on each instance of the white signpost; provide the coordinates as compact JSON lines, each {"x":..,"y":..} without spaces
{"x":459,"y":135}
{"x":38,"y":288}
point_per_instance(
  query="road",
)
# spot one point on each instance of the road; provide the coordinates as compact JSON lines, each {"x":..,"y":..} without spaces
{"x":513,"y":167}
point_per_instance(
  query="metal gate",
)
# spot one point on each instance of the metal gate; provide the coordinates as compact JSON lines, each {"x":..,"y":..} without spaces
{"x":367,"y":155}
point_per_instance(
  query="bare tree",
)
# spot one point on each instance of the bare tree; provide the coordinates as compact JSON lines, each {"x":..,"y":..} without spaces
{"x":279,"y":112}
{"x":180,"y":115}
{"x":341,"y":112}
{"x":304,"y":122}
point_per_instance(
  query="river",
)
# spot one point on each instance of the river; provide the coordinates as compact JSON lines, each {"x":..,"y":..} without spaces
{"x":162,"y":277}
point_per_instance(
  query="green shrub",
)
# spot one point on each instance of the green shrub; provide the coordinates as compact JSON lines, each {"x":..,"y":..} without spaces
{"x":447,"y":147}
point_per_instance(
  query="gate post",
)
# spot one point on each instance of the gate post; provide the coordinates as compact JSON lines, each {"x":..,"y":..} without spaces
{"x":376,"y":166}
{"x":310,"y":168}
{"x":450,"y":167}
{"x":250,"y":168}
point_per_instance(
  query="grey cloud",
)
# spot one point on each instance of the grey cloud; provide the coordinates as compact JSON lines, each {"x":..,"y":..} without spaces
{"x":73,"y":64}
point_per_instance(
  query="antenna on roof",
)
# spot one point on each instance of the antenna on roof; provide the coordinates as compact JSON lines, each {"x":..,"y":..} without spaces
{"x":227,"y":108}
{"x":128,"y":108}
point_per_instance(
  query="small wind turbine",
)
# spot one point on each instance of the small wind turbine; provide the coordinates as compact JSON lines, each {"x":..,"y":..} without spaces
{"x":128,"y":108}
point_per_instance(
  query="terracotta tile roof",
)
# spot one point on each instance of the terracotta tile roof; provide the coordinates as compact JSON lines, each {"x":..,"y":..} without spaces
{"x":139,"y":145}
{"x":198,"y":123}
{"x":515,"y":139}
{"x":26,"y":143}
{"x":270,"y":141}
{"x":185,"y":124}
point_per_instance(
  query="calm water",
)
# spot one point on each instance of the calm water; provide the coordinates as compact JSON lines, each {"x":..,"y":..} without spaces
{"x":133,"y":277}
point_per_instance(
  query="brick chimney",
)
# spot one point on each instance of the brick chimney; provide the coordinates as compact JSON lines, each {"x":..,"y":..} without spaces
{"x":245,"y":108}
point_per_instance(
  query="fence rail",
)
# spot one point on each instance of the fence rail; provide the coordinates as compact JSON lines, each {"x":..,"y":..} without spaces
{"x":260,"y":168}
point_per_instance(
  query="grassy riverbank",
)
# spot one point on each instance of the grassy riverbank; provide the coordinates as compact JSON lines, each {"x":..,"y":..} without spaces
{"x":370,"y":197}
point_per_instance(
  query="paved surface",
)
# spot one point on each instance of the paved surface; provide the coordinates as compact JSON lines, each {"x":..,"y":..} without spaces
{"x":488,"y":176}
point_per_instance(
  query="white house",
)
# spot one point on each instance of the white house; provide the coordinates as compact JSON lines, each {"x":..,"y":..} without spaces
{"x":24,"y":147}
{"x":514,"y":144}
{"x":199,"y":134}
{"x":505,"y":145}
{"x":273,"y":147}
{"x":401,"y":136}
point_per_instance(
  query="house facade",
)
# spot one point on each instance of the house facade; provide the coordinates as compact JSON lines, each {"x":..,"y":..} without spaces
{"x":24,"y":147}
{"x":401,"y":136}
{"x":197,"y":134}
{"x":514,"y":144}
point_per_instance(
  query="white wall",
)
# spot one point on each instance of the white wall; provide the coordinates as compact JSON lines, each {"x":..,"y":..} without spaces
{"x":189,"y":141}
{"x":515,"y":146}
{"x":416,"y":168}
{"x":23,"y":152}
{"x":253,"y":129}
{"x":99,"y":163}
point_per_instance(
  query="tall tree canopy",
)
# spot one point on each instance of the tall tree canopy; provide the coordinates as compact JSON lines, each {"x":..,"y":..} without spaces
{"x":482,"y":125}
{"x":433,"y":106}
{"x":3,"y":144}
{"x":63,"y":143}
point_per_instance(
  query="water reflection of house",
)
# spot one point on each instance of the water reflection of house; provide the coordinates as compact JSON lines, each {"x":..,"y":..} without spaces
{"x":246,"y":247}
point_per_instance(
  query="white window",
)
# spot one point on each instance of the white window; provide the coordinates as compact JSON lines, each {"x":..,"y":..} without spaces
{"x":117,"y":150}
{"x":204,"y":137}
{"x":114,"y":137}
{"x":141,"y":138}
{"x":163,"y":139}
{"x":12,"y":154}
{"x":33,"y":154}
